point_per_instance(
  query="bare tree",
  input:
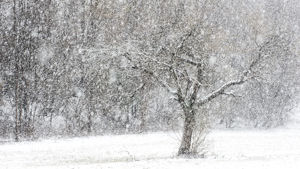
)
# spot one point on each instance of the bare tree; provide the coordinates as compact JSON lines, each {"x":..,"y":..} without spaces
{"x":101,"y":66}
{"x":179,"y":54}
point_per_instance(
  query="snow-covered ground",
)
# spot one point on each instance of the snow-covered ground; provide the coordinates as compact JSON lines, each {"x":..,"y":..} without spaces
{"x":278,"y":148}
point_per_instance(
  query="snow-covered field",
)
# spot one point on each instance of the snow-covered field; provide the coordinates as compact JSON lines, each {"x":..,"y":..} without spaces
{"x":277,"y":148}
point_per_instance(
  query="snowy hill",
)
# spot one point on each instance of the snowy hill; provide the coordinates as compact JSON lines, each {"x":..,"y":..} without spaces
{"x":231,"y":149}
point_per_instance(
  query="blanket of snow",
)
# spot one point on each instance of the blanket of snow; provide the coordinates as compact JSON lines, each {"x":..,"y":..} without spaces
{"x":277,"y":148}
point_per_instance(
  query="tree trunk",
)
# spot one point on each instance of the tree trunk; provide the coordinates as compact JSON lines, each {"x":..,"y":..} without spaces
{"x":186,"y":141}
{"x":89,"y":124}
{"x":16,"y":114}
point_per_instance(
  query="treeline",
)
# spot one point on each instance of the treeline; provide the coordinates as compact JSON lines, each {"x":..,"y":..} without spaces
{"x":100,"y":66}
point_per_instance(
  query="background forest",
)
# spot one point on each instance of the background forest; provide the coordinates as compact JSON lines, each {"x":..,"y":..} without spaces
{"x":90,"y":67}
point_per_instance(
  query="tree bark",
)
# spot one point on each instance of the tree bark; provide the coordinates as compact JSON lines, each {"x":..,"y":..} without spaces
{"x":186,"y":141}
{"x":89,"y":124}
{"x":16,"y":71}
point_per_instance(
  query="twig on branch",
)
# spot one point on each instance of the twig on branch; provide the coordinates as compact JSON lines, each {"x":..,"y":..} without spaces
{"x":139,"y":88}
{"x":231,"y":94}
{"x":152,"y":74}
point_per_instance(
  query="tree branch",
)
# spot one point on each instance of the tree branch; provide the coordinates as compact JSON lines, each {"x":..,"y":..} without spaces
{"x":152,"y":74}
{"x":220,"y":91}
{"x":242,"y":80}
{"x":231,"y":94}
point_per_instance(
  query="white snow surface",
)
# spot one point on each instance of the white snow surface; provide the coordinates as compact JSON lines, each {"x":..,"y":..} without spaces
{"x":247,"y":149}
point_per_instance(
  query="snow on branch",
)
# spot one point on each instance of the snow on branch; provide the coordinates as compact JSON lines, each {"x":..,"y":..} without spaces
{"x":245,"y":77}
{"x":220,"y":91}
{"x":137,"y":89}
{"x":189,"y":61}
{"x":232,"y":94}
